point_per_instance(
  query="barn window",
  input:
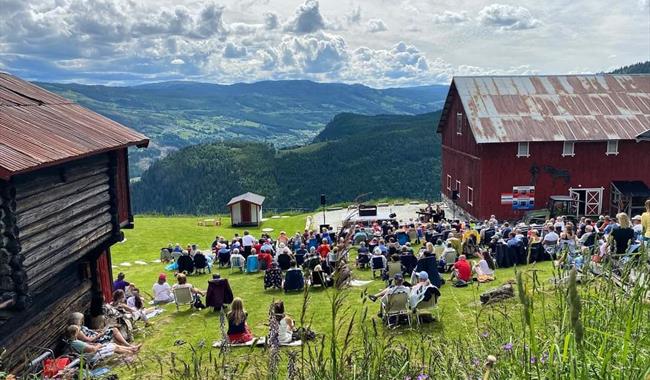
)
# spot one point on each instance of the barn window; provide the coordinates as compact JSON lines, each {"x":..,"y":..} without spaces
{"x":459,"y":123}
{"x":568,"y":150}
{"x":448,"y":182}
{"x":470,"y":196}
{"x":612,"y":147}
{"x":458,"y":188}
{"x":523,"y":149}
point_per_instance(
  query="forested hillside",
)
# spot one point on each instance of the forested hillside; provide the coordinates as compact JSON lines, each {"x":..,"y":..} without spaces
{"x":283,"y":113}
{"x":386,"y":155}
{"x":637,"y":68}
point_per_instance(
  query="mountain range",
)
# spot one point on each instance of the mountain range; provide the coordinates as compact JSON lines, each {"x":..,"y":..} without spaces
{"x":384,"y":155}
{"x":283,"y":113}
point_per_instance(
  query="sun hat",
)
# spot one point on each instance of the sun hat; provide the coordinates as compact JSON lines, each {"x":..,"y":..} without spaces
{"x":423,"y":275}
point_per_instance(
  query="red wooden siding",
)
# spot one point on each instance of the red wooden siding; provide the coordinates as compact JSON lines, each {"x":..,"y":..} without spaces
{"x":105,"y":277}
{"x":122,"y":188}
{"x":589,"y":168}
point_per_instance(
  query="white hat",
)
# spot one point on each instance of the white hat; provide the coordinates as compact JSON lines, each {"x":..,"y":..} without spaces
{"x":636,"y":217}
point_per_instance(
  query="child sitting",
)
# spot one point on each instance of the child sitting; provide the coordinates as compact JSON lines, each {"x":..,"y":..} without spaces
{"x":238,"y":330}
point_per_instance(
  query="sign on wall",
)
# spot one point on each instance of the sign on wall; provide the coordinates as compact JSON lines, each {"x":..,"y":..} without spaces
{"x":521,"y":198}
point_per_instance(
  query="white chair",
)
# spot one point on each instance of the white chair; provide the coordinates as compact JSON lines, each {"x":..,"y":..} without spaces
{"x":237,"y":262}
{"x":183,"y":296}
{"x":396,"y":305}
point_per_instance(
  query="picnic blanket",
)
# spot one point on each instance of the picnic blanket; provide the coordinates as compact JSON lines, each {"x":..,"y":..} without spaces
{"x":259,"y":342}
{"x":359,"y":283}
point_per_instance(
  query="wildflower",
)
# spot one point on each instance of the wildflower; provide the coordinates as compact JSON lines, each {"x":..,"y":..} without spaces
{"x":407,"y":378}
{"x":507,"y":346}
{"x":422,"y":377}
{"x":485,"y":334}
{"x":533,"y":360}
{"x":544,"y":358}
{"x":476,"y":362}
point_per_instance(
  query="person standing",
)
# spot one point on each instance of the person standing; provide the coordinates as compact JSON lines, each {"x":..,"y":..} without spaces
{"x":248,"y":241}
{"x":645,"y":222}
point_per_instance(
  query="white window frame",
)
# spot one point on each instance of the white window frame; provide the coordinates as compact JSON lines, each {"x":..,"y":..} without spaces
{"x":448,"y":182}
{"x":614,"y":151}
{"x":458,"y":188}
{"x":520,"y":149}
{"x":571,"y":145}
{"x":459,"y":123}
{"x":470,"y":196}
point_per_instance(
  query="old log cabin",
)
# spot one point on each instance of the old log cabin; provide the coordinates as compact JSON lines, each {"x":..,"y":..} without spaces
{"x":64,"y":197}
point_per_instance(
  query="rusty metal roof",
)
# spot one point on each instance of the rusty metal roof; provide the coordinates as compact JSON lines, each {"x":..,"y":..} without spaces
{"x":555,"y":108}
{"x":39,"y":128}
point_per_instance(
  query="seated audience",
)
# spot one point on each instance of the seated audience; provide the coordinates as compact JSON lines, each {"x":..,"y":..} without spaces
{"x":107,"y":335}
{"x":285,"y":323}
{"x":162,"y":292}
{"x":95,"y":352}
{"x":273,"y":277}
{"x":293,"y":279}
{"x":120,"y":283}
{"x":484,"y":269}
{"x":462,"y":271}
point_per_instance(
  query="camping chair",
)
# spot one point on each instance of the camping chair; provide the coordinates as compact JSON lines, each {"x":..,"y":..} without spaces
{"x":409,"y":262}
{"x":201,"y":263}
{"x":183,"y":296}
{"x":427,"y":308}
{"x":252,"y":264}
{"x":293,"y":280}
{"x":396,"y":305}
{"x":237,"y":262}
{"x":300,"y":259}
{"x":273,"y":278}
{"x":318,"y":280}
{"x":402,"y":238}
{"x":185,"y":264}
{"x":363,"y":259}
{"x":377,"y":264}
{"x":284,"y":261}
{"x":393,"y":269}
{"x":224,"y":258}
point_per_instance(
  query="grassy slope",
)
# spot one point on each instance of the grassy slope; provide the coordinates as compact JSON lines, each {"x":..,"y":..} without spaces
{"x":458,"y":306}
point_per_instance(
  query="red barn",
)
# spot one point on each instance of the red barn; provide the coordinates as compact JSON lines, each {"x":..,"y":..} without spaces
{"x":64,"y":198}
{"x":527,"y":138}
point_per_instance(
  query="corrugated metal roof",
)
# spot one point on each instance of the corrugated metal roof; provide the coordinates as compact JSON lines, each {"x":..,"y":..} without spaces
{"x":39,"y":128}
{"x":250,"y":197}
{"x":555,"y":108}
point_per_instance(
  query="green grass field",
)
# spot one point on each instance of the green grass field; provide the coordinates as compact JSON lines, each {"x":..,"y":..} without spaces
{"x":458,"y":306}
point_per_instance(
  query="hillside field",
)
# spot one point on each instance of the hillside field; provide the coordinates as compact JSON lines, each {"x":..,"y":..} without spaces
{"x":459,"y":307}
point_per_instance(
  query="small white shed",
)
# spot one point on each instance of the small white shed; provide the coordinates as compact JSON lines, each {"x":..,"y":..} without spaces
{"x":246,"y":210}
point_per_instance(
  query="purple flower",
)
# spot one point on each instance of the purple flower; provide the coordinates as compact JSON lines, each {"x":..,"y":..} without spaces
{"x":507,"y":347}
{"x":533,"y":360}
{"x":476,"y":362}
{"x":544,"y":358}
{"x":485,"y":334}
{"x":407,"y":378}
{"x":422,"y":377}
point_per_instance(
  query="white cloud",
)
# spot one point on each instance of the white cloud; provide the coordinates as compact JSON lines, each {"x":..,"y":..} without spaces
{"x":306,"y":19}
{"x":507,"y":17}
{"x":448,"y":17}
{"x":271,"y":21}
{"x":354,"y":16}
{"x":234,"y":51}
{"x":177,"y":61}
{"x":376,"y":25}
{"x":644,"y":4}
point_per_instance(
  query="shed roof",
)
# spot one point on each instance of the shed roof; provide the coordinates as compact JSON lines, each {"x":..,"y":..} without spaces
{"x":554,"y":108}
{"x":632,"y":188}
{"x":39,"y":129}
{"x":249,"y":197}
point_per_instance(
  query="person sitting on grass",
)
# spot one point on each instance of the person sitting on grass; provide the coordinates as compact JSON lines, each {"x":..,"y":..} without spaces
{"x":96,"y":351}
{"x":120,"y":283}
{"x":285,"y":323}
{"x":162,"y":292}
{"x":238,"y":330}
{"x":484,"y":269}
{"x":108,"y":335}
{"x":396,"y":288}
{"x":462,"y":273}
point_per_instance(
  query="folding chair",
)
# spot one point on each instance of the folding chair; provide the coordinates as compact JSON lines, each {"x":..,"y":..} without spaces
{"x":427,"y":308}
{"x":377,"y":264}
{"x":393,"y":269}
{"x":236,"y":262}
{"x":252,"y":264}
{"x":183,"y":296}
{"x":396,"y":305}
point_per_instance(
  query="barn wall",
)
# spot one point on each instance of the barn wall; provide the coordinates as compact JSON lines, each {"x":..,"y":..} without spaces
{"x":62,"y":215}
{"x":122,"y":188}
{"x":461,"y":159}
{"x":589,"y":168}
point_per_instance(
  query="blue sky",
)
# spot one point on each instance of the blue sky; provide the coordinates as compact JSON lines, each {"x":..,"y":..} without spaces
{"x":379,"y":43}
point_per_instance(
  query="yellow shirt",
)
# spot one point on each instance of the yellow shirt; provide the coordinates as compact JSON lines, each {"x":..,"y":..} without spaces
{"x":645,"y":222}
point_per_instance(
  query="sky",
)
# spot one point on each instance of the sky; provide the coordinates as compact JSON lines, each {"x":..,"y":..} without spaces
{"x":379,"y":43}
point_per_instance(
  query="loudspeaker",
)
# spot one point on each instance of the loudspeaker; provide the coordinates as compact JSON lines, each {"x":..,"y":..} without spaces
{"x":455,"y":195}
{"x":322,"y":199}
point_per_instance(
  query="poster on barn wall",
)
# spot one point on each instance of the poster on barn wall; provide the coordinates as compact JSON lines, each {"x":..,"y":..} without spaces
{"x":521,"y":198}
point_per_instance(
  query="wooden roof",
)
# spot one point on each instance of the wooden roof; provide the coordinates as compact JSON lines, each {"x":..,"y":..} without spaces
{"x":39,"y":129}
{"x":249,"y":197}
{"x":554,"y":107}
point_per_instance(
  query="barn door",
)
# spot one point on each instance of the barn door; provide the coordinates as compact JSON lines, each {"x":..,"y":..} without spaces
{"x":245,"y":212}
{"x":593,"y":201}
{"x":104,"y":274}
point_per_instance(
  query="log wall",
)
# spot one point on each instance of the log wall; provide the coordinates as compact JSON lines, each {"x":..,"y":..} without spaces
{"x":54,"y":224}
